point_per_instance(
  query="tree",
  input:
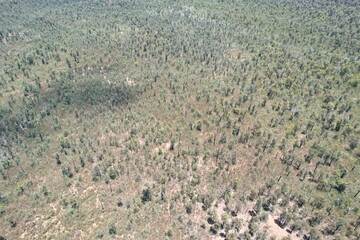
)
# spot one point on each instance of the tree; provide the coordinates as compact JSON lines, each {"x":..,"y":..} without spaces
{"x":146,"y":195}
{"x":284,"y":219}
{"x":119,"y":202}
{"x":96,"y":174}
{"x":112,"y":229}
{"x":314,"y":234}
{"x":108,"y":181}
{"x":341,"y":223}
{"x":340,"y":185}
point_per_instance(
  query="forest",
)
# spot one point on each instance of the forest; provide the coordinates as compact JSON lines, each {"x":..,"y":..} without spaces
{"x":180,"y":119}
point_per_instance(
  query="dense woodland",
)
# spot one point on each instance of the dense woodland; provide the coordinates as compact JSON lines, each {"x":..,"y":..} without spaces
{"x":179,"y":119}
